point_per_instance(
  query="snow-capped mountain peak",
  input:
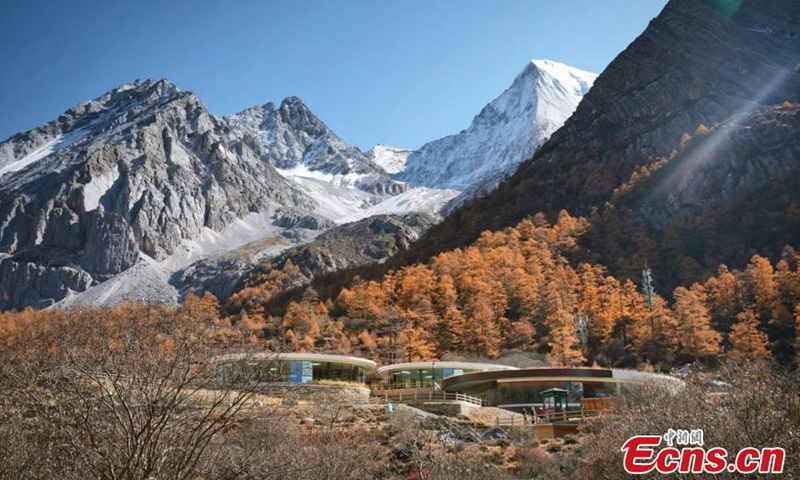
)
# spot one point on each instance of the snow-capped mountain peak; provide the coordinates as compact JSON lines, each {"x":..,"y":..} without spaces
{"x":575,"y":81}
{"x":505,"y":132}
{"x":144,"y":171}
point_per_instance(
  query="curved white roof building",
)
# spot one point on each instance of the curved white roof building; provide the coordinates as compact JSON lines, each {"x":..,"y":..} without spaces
{"x":268,"y":367}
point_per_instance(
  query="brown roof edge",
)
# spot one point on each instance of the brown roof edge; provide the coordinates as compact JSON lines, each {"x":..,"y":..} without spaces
{"x":495,"y":375}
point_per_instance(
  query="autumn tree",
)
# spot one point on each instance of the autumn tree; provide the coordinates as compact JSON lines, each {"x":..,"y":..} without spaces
{"x":263,"y":285}
{"x":365,"y":341}
{"x":204,"y":309}
{"x":747,"y":340}
{"x":685,"y":139}
{"x":724,"y":298}
{"x":561,"y":338}
{"x":306,"y":318}
{"x":696,"y":338}
{"x":762,"y":286}
{"x":608,"y":309}
{"x":416,"y":344}
{"x":365,"y":305}
{"x":655,"y":334}
{"x":483,"y":335}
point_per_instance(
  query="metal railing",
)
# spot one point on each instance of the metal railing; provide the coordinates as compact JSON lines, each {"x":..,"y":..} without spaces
{"x":410,"y":385}
{"x":401,"y":397}
{"x":523,"y":420}
{"x":577,"y":415}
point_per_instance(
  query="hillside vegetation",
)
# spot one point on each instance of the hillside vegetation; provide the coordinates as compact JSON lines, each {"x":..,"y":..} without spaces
{"x":516,"y":289}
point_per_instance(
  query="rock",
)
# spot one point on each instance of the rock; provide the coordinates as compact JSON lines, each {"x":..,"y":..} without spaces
{"x":291,"y":136}
{"x":111,"y":246}
{"x":151,"y":159}
{"x":370,"y":240}
{"x":27,"y":284}
{"x":64,"y":229}
{"x":496,"y":433}
{"x":146,"y":169}
{"x":287,"y":218}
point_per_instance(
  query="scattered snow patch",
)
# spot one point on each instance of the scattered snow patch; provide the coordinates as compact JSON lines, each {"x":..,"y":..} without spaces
{"x":94,"y":190}
{"x":302,"y":171}
{"x":40,"y":152}
{"x":334,"y":201}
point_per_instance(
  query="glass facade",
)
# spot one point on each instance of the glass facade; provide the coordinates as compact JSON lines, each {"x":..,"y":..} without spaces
{"x":291,"y":371}
{"x":423,"y":377}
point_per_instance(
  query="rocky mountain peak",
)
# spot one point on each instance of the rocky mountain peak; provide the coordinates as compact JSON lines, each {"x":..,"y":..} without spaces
{"x":125,"y":188}
{"x":136,"y":171}
{"x":293,"y":139}
{"x":295,"y":113}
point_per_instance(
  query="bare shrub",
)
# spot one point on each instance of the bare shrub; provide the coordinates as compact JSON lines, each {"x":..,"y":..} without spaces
{"x":117,"y":394}
{"x":756,"y":412}
{"x":269,"y":449}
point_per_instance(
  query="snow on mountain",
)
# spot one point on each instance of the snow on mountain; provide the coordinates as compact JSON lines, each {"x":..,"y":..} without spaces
{"x":331,"y":194}
{"x":337,"y":200}
{"x":391,"y":159}
{"x":505,"y":132}
{"x":11,"y":163}
{"x":134,"y":173}
{"x":151,"y":280}
{"x":418,"y":199}
{"x":292,"y":137}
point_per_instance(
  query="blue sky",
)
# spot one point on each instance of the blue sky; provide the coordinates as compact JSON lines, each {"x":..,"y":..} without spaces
{"x":397,"y":72}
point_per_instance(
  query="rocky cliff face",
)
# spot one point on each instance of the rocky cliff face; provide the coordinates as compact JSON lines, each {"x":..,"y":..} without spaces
{"x":370,"y":240}
{"x":139,"y":169}
{"x":751,"y":157}
{"x":698,"y":63}
{"x":730,"y":193}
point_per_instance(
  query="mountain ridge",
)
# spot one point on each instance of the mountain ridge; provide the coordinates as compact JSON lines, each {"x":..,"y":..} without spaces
{"x":676,"y":76}
{"x":150,"y":170}
{"x":145,"y":169}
